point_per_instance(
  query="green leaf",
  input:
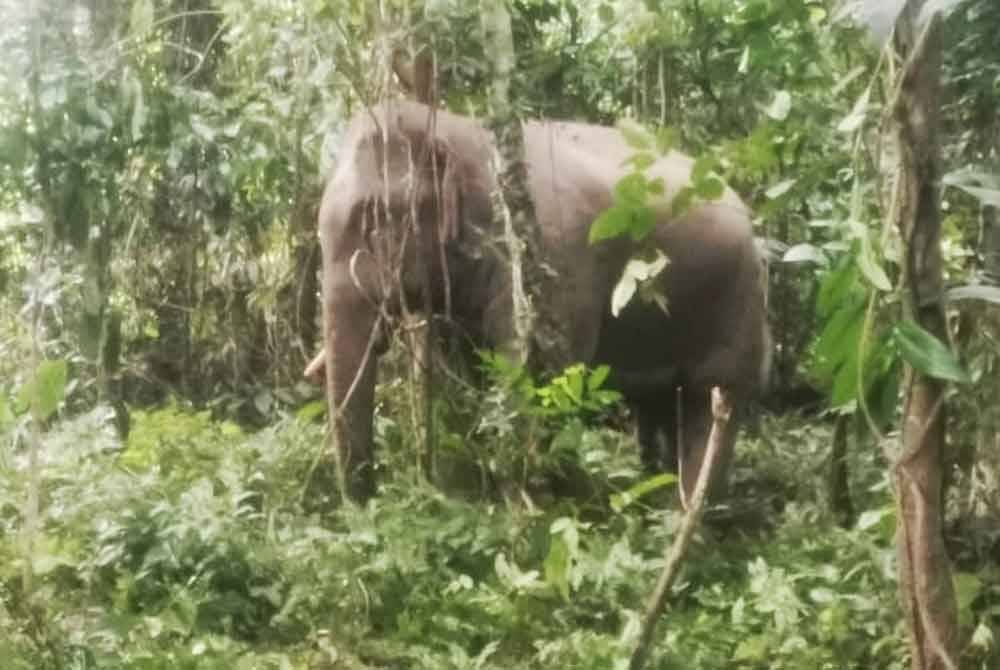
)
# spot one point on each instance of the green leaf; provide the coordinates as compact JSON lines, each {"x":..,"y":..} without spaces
{"x":710,"y":188}
{"x":46,"y":389}
{"x":780,"y":106}
{"x":682,"y":201}
{"x":632,"y":189}
{"x":598,"y":377}
{"x":620,"y":501}
{"x":838,"y":286}
{"x":752,"y":649}
{"x":7,"y":415}
{"x":606,"y":14}
{"x":702,"y":168}
{"x":640,"y":160}
{"x":636,"y":135}
{"x":641,"y":223}
{"x":780,"y":189}
{"x":610,"y":223}
{"x":838,"y":341}
{"x":967,"y":588}
{"x":556,"y":566}
{"x":870,"y":267}
{"x":666,"y":139}
{"x":310,"y":411}
{"x":928,"y":354}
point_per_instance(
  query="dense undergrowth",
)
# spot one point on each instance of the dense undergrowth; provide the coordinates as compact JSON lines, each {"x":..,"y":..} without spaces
{"x":197,"y":545}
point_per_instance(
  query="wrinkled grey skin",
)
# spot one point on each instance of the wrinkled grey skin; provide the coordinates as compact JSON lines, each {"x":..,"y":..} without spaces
{"x":715,"y":334}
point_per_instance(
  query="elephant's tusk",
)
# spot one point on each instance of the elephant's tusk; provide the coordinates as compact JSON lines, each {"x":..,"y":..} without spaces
{"x":316,"y":370}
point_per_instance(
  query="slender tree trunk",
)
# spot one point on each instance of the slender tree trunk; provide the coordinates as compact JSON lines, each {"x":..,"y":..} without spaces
{"x":924,"y":572}
{"x":512,"y":199}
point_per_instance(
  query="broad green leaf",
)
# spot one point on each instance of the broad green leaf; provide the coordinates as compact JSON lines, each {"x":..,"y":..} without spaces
{"x":556,"y":566}
{"x":870,"y":267}
{"x":837,"y":287}
{"x":838,"y":341}
{"x":710,"y":188}
{"x":642,"y":222}
{"x":927,"y":353}
{"x":845,"y":381}
{"x":620,"y":501}
{"x":310,"y":411}
{"x":610,"y":223}
{"x":598,"y":377}
{"x":780,"y":106}
{"x":632,"y":189}
{"x":606,"y":14}
{"x":46,"y":389}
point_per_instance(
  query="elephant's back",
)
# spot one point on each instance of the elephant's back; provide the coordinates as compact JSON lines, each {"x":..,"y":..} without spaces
{"x":715,"y":329}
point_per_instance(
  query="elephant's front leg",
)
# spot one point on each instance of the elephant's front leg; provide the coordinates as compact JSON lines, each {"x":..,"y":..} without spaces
{"x":655,"y":421}
{"x":352,"y":333}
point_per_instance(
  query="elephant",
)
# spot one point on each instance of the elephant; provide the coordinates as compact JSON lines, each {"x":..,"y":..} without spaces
{"x":407,"y":220}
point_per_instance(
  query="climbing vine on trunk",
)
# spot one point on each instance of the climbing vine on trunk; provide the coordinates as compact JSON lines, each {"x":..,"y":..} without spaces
{"x":924,"y":572}
{"x":513,"y":207}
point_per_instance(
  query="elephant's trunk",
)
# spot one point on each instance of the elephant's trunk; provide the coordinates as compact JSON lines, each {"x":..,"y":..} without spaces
{"x":351,"y":333}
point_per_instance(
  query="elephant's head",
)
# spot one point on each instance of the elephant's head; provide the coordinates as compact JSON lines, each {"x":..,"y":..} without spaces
{"x":394,"y":212}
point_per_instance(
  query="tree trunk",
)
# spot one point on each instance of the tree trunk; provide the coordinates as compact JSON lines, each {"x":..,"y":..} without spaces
{"x":924,"y":572}
{"x":512,"y":199}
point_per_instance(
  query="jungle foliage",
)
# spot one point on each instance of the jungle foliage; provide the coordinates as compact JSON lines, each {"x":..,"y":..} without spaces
{"x":161,"y":502}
